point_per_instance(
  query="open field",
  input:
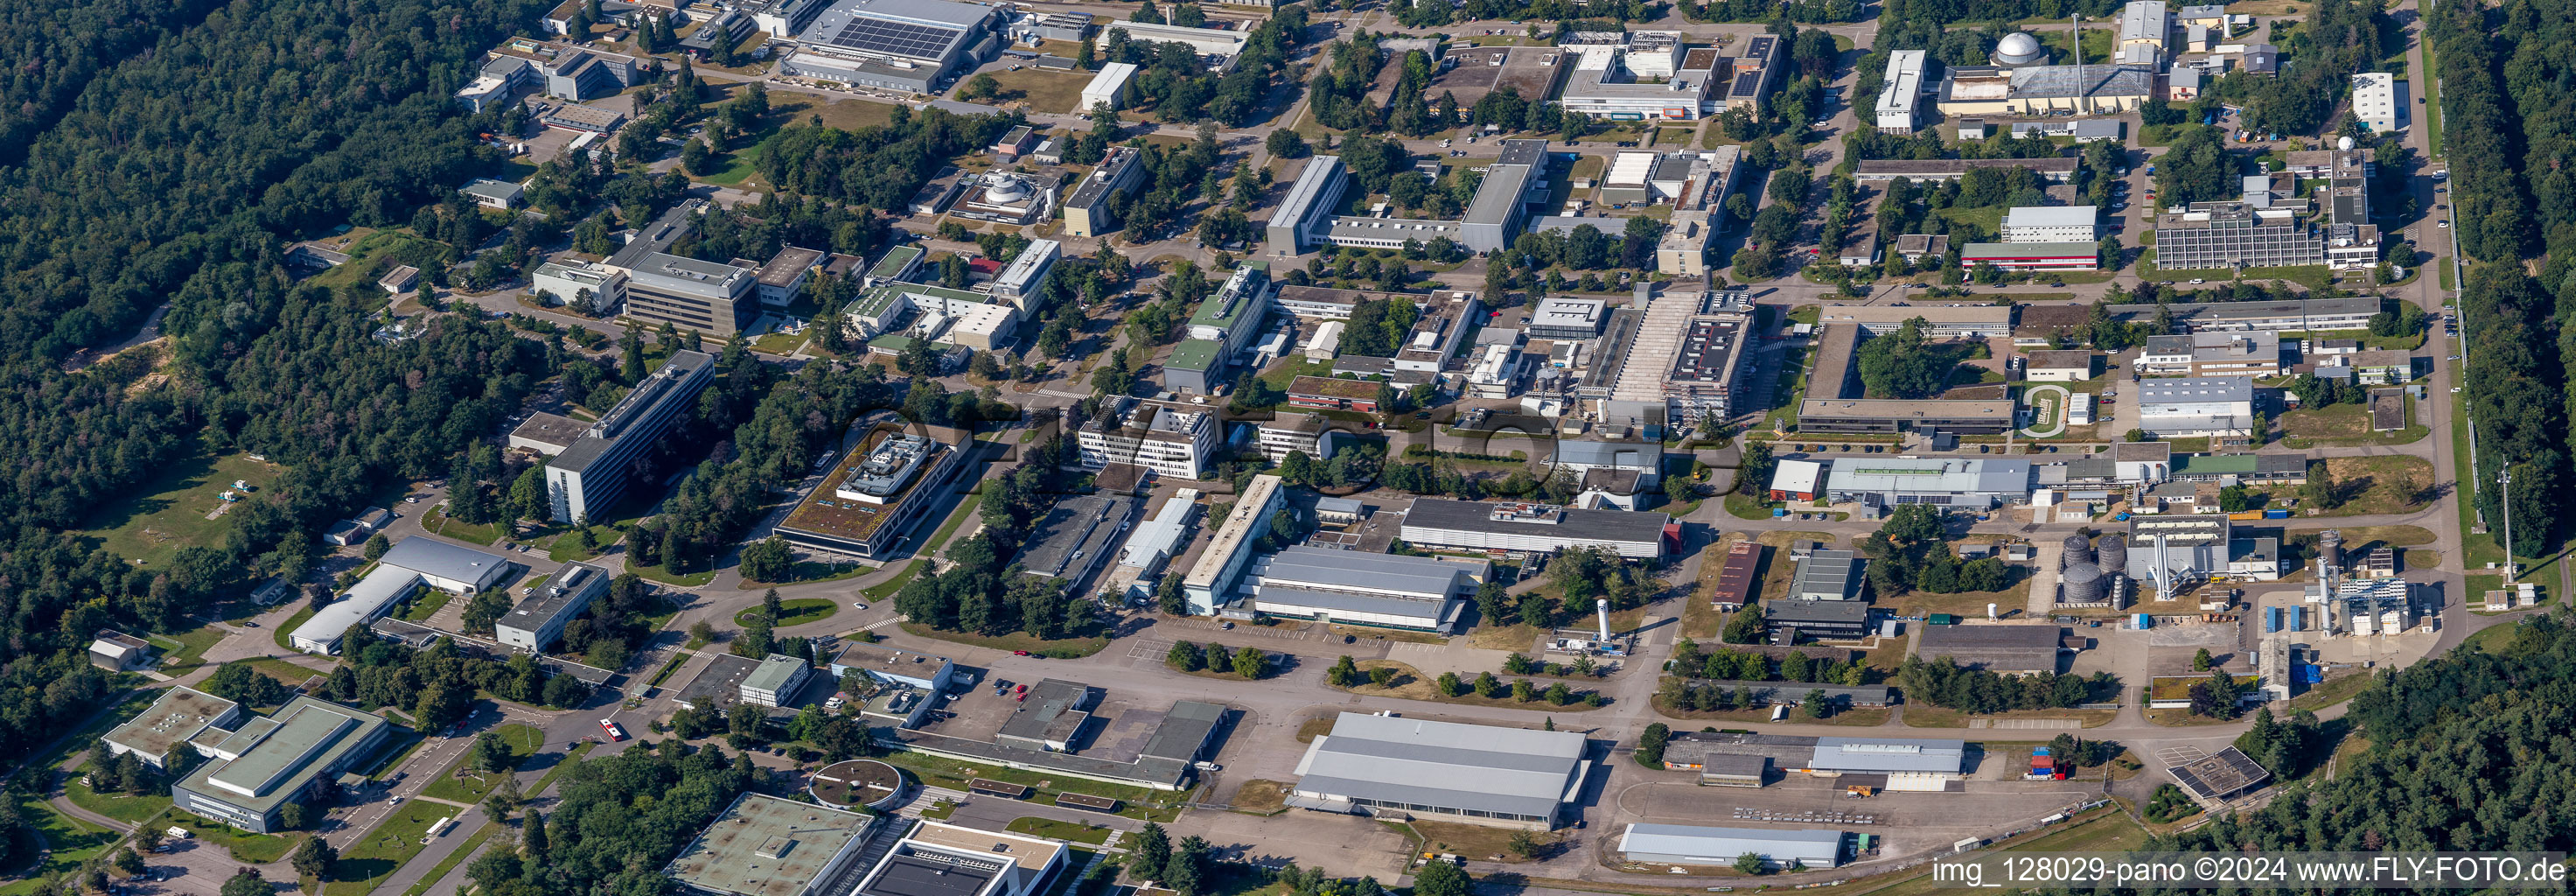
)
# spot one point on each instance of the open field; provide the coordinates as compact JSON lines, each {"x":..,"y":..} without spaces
{"x":170,"y":512}
{"x":1045,"y":90}
{"x":464,"y":783}
{"x":2343,"y":424}
{"x":793,"y":612}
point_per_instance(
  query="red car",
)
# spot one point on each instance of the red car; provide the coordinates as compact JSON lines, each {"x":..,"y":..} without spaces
{"x":1019,"y":653}
{"x":615,"y":733}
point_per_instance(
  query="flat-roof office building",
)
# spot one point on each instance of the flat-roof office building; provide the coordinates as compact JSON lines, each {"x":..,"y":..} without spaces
{"x":877,"y":495}
{"x":912,"y":45}
{"x":711,"y":297}
{"x":1494,"y":217}
{"x":1210,"y":583}
{"x":587,"y":480}
{"x":1310,"y":201}
{"x":1403,"y":768}
{"x":175,"y":718}
{"x":767,"y":846}
{"x":940,"y":859}
{"x":273,"y":760}
{"x":537,"y":621}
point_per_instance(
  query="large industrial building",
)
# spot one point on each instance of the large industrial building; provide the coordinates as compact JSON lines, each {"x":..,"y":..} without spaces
{"x":2170,"y":552}
{"x":538,"y":620}
{"x":2223,"y":235}
{"x":1536,"y":528}
{"x":877,"y":494}
{"x":1908,"y":764}
{"x":2212,"y":354}
{"x":2195,"y":407}
{"x":892,"y":315}
{"x":2045,"y":90}
{"x":1075,"y":536}
{"x":941,"y":859}
{"x":2015,"y":649}
{"x":274,"y":760}
{"x":1400,"y":768}
{"x":587,"y":480}
{"x":908,"y":45}
{"x":1306,"y":215}
{"x":1355,"y":588}
{"x":1643,"y":80}
{"x":400,"y":573}
{"x":1313,"y":199}
{"x":1970,"y":483}
{"x":1673,"y":844}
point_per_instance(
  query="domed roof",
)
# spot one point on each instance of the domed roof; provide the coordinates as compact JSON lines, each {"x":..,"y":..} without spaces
{"x":1005,"y":191}
{"x":2018,"y":48}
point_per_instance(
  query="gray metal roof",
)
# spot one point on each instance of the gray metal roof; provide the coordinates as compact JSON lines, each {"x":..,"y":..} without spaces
{"x":674,"y":223}
{"x":1616,"y":455}
{"x":2002,"y":648}
{"x":641,"y":404}
{"x":691,"y":276}
{"x":1500,"y":193}
{"x":1826,"y":575}
{"x":1080,"y":528}
{"x":1874,"y":754}
{"x":1436,"y":610}
{"x":2196,"y":390}
{"x":1956,"y":475}
{"x":571,"y":585}
{"x":364,"y":601}
{"x":1476,"y":516}
{"x":1794,"y":612}
{"x":1352,"y":570}
{"x":440,"y":560}
{"x":1184,"y":732}
{"x":774,"y":673}
{"x":1319,"y":172}
{"x":1721,"y":846}
{"x":766,"y":846}
{"x":1444,"y":764}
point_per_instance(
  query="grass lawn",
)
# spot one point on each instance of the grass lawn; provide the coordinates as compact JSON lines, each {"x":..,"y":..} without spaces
{"x":1060,"y":830}
{"x":152,"y":522}
{"x":1280,"y":374}
{"x":285,"y":628}
{"x":794,"y":612}
{"x":437,"y":520}
{"x":71,"y":840}
{"x":257,"y":849}
{"x":1746,"y":507}
{"x":2312,"y":276}
{"x":435,"y":600}
{"x":806,"y":571}
{"x":1924,"y":715}
{"x":2382,"y":483}
{"x":1411,"y":684}
{"x":186,"y":650}
{"x":465,"y":784}
{"x":374,"y":856}
{"x":2105,"y":830}
{"x":2343,"y":424}
{"x":941,"y":771}
{"x":2334,"y":690}
{"x":133,"y":808}
{"x":1045,"y":90}
{"x":2431,"y":85}
{"x":439,"y":871}
{"x":1261,"y":797}
{"x":887,"y":588}
{"x":1059,"y":648}
{"x":665,"y":576}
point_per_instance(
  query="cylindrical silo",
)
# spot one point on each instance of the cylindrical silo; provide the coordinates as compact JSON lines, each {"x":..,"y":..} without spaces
{"x":2080,"y":583}
{"x":2111,"y":552}
{"x":2078,"y":550}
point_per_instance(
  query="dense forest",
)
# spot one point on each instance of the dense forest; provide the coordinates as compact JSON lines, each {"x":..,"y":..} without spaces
{"x":2505,"y":105}
{"x":618,"y":821}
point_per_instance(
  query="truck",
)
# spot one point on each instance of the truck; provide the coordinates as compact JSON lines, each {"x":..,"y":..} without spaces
{"x":1942,"y":619}
{"x":2143,"y":622}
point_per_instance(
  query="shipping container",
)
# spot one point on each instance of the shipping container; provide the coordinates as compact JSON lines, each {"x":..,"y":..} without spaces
{"x":2298,"y":619}
{"x":2278,"y":513}
{"x":2145,"y":621}
{"x":1942,"y":619}
{"x":2271,"y":619}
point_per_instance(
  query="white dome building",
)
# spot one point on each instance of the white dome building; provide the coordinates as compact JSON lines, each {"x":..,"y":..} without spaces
{"x":2018,"y":49}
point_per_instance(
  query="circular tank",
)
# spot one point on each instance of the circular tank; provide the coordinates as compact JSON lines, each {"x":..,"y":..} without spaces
{"x":2080,"y":583}
{"x":2078,"y":550}
{"x":2111,"y":552}
{"x":2019,"y":48}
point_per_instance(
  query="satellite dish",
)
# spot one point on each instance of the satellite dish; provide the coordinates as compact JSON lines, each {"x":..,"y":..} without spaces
{"x":2344,"y":143}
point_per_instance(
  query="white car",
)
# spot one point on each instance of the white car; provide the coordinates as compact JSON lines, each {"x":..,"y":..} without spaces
{"x":2445,"y":224}
{"x":2195,"y":281}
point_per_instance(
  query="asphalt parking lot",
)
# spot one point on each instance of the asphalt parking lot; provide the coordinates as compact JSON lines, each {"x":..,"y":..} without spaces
{"x":187,"y":866}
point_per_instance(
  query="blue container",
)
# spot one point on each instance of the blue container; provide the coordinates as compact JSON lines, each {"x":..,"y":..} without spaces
{"x":2279,"y":514}
{"x":2298,"y":619}
{"x":2271,"y":619}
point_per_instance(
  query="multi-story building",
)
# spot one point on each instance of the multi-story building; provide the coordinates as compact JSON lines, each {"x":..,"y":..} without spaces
{"x":1086,"y":212}
{"x":1210,"y":583}
{"x":878,"y":494}
{"x":1316,"y":435}
{"x":785,"y":19}
{"x":1979,"y":483}
{"x":1436,"y":333}
{"x":2052,"y":224}
{"x":586,"y":481}
{"x":1939,"y":321}
{"x":1568,"y":317}
{"x":567,"y":281}
{"x":2084,"y":256}
{"x":1019,"y":281}
{"x":1704,"y":378}
{"x":2045,"y":90}
{"x":2144,"y":25}
{"x":886,"y":317}
{"x":1231,"y":316}
{"x":2053,"y":168}
{"x":1903,"y":91}
{"x":1603,"y":84}
{"x":1108,"y":88}
{"x":710,"y":297}
{"x":775,"y":681}
{"x":1173,"y":440}
{"x":783,"y":277}
{"x":1765,"y":57}
{"x":2240,"y":353}
{"x":2374,"y":101}
{"x":539,"y":619}
{"x":175,"y":718}
{"x":1310,"y":202}
{"x":771,"y":846}
{"x":1494,"y":217}
{"x":2194,"y":407}
{"x":1011,"y":197}
{"x":2236,"y":235}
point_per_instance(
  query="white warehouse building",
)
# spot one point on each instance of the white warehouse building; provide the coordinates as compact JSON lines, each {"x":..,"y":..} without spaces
{"x":1354,"y":588}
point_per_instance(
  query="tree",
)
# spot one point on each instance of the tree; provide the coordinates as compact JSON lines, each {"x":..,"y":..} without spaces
{"x":1186,"y":657}
{"x":313,"y":859}
{"x":247,"y":882}
{"x":2234,"y":499}
{"x":1650,"y":746}
{"x":1248,"y":662}
{"x":697,"y":159}
{"x":1148,"y":852}
{"x":1750,"y":863}
{"x":376,"y":547}
{"x":1169,"y":597}
{"x":1382,"y":676}
{"x":1442,"y":879}
{"x":492,"y":754}
{"x":1815,"y":706}
{"x":766,"y":560}
{"x":1343,"y":673}
{"x":1286,"y":144}
{"x":2200,"y":662}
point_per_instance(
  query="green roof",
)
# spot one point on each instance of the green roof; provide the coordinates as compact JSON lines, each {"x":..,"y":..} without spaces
{"x":1193,"y":354}
{"x":2214,"y":464}
{"x":874,"y":301}
{"x":894,"y":261}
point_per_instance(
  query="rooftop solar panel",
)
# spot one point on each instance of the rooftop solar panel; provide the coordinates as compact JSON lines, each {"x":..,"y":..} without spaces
{"x":897,"y":38}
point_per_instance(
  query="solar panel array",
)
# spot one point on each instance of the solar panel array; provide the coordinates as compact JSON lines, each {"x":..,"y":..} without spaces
{"x":896,"y":38}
